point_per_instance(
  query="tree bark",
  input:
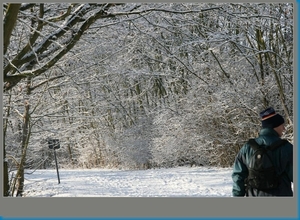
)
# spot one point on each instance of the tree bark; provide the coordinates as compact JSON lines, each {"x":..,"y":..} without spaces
{"x":25,"y":140}
{"x":9,"y":23}
{"x":5,"y":165}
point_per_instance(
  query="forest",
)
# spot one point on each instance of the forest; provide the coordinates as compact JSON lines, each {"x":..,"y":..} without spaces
{"x":140,"y":85}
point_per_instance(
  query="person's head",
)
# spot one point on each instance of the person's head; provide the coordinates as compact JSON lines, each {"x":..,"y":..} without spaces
{"x":270,"y":119}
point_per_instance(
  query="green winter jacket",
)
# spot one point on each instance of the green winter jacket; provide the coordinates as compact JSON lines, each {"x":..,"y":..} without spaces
{"x":282,"y":159}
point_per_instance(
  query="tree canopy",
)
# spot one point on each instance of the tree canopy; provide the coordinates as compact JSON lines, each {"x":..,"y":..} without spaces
{"x":141,"y":85}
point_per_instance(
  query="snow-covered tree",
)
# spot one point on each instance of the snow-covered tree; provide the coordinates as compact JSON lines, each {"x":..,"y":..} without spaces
{"x":142,"y":85}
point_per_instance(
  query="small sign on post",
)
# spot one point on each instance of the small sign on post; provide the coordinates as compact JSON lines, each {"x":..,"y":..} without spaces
{"x":54,"y":144}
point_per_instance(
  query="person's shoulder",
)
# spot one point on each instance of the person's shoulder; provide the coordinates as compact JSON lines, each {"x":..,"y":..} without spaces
{"x":287,"y":143}
{"x":287,"y":147}
{"x":246,"y":146}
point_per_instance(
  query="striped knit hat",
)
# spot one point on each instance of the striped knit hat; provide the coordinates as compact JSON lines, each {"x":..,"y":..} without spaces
{"x":270,"y":119}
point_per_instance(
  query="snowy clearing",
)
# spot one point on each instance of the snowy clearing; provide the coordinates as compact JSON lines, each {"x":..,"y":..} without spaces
{"x":173,"y":182}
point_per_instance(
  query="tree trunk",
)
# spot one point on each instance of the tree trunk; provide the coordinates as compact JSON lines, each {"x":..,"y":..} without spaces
{"x":25,"y":140}
{"x":5,"y":165}
{"x":9,"y":23}
{"x":5,"y":178}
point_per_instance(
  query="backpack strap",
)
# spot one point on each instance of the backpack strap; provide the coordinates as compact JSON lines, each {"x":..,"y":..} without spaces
{"x":277,"y":144}
{"x":273,"y":146}
{"x":255,"y":146}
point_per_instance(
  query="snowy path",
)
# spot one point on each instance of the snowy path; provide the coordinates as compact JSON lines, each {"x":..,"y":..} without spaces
{"x":174,"y":182}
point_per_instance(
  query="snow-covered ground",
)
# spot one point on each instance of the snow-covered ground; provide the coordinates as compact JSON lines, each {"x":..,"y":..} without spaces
{"x":173,"y":182}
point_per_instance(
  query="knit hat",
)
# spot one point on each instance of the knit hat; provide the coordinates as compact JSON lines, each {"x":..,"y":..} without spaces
{"x":270,"y":119}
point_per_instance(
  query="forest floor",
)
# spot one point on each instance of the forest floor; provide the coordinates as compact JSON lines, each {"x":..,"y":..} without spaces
{"x":172,"y":182}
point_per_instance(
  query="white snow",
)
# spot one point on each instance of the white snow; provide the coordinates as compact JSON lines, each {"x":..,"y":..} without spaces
{"x":172,"y":182}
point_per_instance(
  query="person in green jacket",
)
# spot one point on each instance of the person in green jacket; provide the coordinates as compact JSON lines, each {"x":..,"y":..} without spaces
{"x":272,"y":130}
